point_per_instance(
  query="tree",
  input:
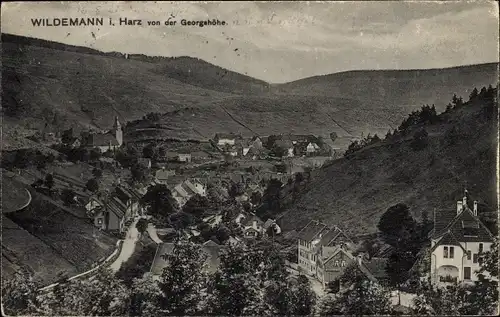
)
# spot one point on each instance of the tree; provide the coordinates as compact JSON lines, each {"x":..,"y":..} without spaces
{"x":303,"y":298}
{"x":102,"y":295}
{"x":149,"y":151}
{"x":40,"y":161}
{"x":142,"y":225}
{"x":68,"y":196}
{"x":359,"y":296}
{"x":333,"y":136}
{"x":67,"y":136}
{"x":236,"y":189}
{"x":271,"y":199}
{"x":474,"y":94}
{"x":182,"y":280}
{"x":95,"y":154}
{"x":196,"y":206}
{"x":19,"y":295}
{"x":49,"y":181}
{"x":181,"y":220}
{"x":432,"y":300}
{"x":395,"y":224}
{"x":420,"y":140}
{"x":145,"y":297}
{"x":235,"y":287}
{"x":92,"y":185}
{"x":222,"y":233}
{"x":159,"y":201}
{"x":138,"y":172}
{"x":97,"y":172}
{"x":255,"y":198}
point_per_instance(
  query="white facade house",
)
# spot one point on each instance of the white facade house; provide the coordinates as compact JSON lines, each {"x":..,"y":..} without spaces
{"x":223,"y":139}
{"x":312,"y":148}
{"x":457,"y":241}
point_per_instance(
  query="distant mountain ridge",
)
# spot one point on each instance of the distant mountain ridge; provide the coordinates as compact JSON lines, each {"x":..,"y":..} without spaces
{"x":397,"y":87}
{"x":64,"y":85}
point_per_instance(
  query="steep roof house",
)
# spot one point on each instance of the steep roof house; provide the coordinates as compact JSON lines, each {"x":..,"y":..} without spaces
{"x":252,"y":226}
{"x":457,"y":240}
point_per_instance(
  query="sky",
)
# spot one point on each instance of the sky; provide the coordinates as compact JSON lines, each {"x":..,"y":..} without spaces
{"x":281,"y":41}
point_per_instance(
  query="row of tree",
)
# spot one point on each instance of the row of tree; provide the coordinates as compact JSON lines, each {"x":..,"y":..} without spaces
{"x":247,"y":282}
{"x":427,"y":115}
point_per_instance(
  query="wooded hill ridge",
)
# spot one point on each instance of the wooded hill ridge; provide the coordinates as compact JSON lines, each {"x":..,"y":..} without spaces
{"x":426,"y":165}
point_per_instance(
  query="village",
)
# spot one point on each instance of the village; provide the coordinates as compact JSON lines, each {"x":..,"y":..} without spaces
{"x":220,"y":193}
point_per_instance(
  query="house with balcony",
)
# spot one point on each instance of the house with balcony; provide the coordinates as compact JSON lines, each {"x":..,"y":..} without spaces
{"x":457,"y":241}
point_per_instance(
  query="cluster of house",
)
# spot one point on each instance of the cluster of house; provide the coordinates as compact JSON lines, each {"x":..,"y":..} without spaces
{"x":182,"y":189}
{"x":114,"y":211}
{"x":252,"y":227}
{"x":292,"y":145}
{"x":457,"y":241}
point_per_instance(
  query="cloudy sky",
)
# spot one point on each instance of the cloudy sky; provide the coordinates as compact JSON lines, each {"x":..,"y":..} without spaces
{"x":282,"y":41}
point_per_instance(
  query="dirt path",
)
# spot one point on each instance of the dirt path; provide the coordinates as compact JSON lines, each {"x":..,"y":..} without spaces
{"x":128,"y":247}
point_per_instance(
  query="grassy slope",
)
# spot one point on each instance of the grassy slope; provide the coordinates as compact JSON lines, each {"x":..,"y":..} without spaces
{"x":354,"y":192}
{"x":72,"y":240}
{"x":86,"y":87}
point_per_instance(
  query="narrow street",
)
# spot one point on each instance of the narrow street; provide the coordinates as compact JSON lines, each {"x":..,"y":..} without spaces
{"x":153,"y":234}
{"x":128,"y":247}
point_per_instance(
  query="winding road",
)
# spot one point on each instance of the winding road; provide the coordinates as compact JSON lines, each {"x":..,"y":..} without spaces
{"x":128,"y":246}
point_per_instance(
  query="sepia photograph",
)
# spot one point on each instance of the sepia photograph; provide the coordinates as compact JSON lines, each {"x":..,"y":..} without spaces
{"x":241,"y":158}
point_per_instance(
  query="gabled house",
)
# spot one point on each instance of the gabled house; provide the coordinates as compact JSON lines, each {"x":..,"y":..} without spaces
{"x":312,"y":148}
{"x":187,"y":189}
{"x":457,"y":241}
{"x":93,"y":204}
{"x":160,"y":261}
{"x":252,"y":226}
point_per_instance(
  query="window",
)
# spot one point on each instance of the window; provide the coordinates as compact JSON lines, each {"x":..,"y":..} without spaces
{"x":469,"y":255}
{"x":475,"y":258}
{"x":480,"y":247}
{"x":452,"y":252}
{"x":445,"y":252}
{"x":467,"y":273}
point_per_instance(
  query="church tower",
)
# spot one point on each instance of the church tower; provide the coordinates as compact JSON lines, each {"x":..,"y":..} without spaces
{"x":117,"y":129}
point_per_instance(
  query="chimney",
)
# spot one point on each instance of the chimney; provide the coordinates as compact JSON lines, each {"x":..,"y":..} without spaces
{"x":360,"y":258}
{"x":459,"y":206}
{"x":475,"y":208}
{"x":464,"y":200}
